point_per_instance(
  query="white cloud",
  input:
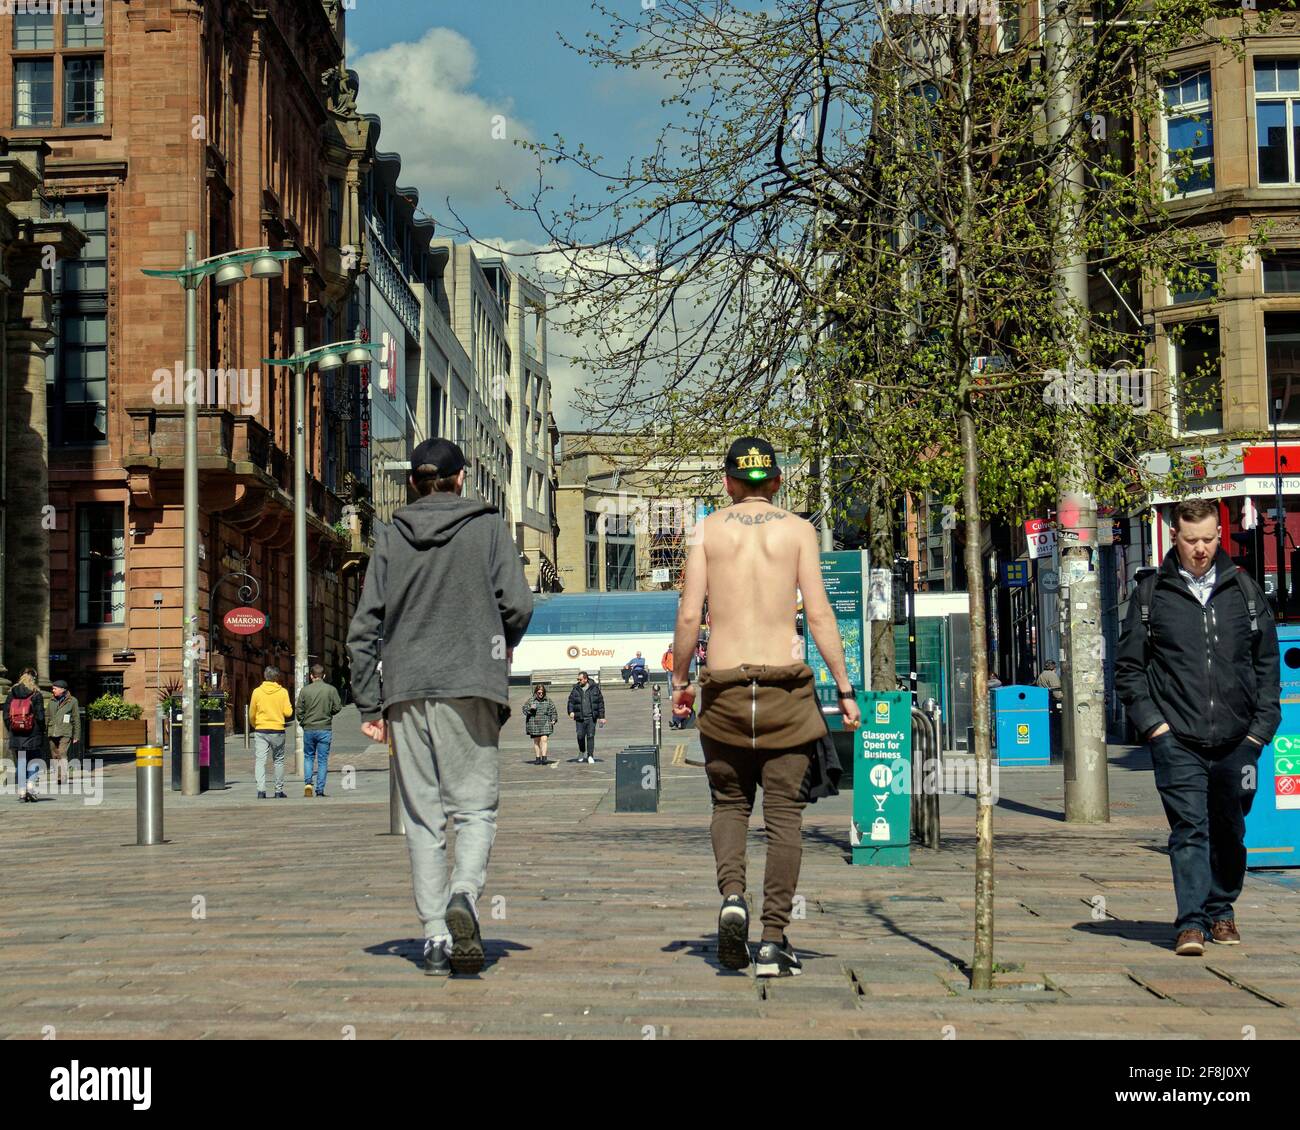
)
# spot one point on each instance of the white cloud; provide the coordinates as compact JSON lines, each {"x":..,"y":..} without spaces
{"x":440,"y":126}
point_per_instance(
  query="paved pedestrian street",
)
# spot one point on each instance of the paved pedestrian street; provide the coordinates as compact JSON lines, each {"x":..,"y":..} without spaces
{"x":294,"y":918}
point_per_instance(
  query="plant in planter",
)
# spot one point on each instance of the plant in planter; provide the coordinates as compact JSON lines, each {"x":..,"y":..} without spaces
{"x":115,"y":722}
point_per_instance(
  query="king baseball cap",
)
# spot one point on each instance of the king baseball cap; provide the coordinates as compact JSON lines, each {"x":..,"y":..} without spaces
{"x":752,"y":460}
{"x":439,"y":453}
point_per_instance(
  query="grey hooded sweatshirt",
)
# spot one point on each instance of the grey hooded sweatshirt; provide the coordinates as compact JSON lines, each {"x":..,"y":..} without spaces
{"x":446,"y":595}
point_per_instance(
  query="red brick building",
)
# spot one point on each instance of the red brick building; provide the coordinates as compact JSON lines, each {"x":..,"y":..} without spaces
{"x":237,"y":121}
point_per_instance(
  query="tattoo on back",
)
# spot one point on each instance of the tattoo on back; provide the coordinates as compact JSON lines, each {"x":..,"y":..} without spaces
{"x":755,"y":519}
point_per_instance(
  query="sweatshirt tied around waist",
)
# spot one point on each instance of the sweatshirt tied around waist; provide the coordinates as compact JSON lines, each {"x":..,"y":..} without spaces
{"x":760,"y":706}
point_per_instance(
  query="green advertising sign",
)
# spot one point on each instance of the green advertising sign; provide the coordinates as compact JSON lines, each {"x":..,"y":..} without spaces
{"x":842,"y":575}
{"x":881,"y":831}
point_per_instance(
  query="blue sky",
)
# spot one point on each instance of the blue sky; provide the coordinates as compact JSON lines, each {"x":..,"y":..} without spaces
{"x":437,"y":73}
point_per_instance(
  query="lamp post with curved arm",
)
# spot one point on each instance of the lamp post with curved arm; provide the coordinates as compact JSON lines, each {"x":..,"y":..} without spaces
{"x":327,"y":358}
{"x":229,"y":268}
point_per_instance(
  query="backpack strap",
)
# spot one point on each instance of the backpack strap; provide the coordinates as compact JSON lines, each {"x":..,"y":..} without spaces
{"x":1251,"y":591}
{"x":1146,"y":587}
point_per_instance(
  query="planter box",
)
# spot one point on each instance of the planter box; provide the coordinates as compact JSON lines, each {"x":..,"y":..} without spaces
{"x":128,"y":733}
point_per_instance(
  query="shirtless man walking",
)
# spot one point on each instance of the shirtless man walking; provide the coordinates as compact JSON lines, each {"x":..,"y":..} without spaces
{"x":759,"y":717}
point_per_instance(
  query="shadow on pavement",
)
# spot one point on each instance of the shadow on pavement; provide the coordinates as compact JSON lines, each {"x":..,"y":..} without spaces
{"x":1158,"y":934}
{"x":412,"y":949}
{"x":894,"y":928}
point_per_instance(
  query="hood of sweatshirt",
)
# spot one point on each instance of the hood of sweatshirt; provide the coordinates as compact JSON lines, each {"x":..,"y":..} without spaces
{"x":437,"y":518}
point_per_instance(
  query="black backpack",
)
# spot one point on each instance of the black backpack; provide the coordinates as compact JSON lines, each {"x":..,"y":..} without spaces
{"x":1146,"y":586}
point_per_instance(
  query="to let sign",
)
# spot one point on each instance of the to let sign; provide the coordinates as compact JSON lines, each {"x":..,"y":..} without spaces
{"x":1041,"y":538}
{"x":244,"y":621}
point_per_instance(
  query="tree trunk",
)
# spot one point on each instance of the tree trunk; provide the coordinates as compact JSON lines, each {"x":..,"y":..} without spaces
{"x":982,"y":965}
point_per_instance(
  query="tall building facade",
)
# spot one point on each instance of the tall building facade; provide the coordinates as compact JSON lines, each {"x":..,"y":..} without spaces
{"x":242,"y":129}
{"x":531,"y":430}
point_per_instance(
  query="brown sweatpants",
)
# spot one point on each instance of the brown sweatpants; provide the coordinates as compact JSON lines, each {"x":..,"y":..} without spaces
{"x":734,"y":774}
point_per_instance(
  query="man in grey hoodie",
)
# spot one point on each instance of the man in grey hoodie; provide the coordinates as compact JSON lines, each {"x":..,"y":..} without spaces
{"x":445,"y":594}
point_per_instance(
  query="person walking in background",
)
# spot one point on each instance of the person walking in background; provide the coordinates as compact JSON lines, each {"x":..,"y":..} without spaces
{"x":24,"y":718}
{"x":317,"y":704}
{"x":64,"y":718}
{"x":1197,"y":669}
{"x":540,"y":717}
{"x":446,"y":594}
{"x":269,"y":709}
{"x":587,"y":709}
{"x":760,"y":721}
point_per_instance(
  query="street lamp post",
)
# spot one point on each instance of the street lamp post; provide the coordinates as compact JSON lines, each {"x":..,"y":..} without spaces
{"x":229,"y":268}
{"x":327,"y":358}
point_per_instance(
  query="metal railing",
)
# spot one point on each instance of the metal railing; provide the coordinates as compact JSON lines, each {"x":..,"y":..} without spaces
{"x":927,"y":772}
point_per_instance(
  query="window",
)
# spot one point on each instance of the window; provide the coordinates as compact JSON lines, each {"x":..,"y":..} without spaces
{"x":620,"y":553}
{"x":78,"y":366}
{"x":1198,"y":380}
{"x":1277,"y":89}
{"x":1282,"y":349}
{"x":83,"y":91}
{"x":1198,"y":282}
{"x":101,"y":566}
{"x":593,"y":552}
{"x":1008,"y":25}
{"x":64,"y":84}
{"x":78,"y":33}
{"x":33,"y":32}
{"x":33,"y":92}
{"x":336,"y":212}
{"x":1189,"y":131}
{"x":1282,"y":275}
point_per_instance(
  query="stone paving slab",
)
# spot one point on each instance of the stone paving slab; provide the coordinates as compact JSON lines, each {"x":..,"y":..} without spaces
{"x":293,"y":918}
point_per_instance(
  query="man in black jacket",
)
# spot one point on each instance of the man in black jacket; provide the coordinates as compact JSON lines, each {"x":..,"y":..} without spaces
{"x":1198,"y":674}
{"x":587,"y":708}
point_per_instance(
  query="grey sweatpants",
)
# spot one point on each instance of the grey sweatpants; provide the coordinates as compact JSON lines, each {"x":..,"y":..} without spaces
{"x":447,"y":766}
{"x":272,"y":742}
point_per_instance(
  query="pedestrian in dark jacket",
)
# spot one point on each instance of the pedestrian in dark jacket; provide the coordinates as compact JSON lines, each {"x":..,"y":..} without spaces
{"x":446,"y":594}
{"x":26,"y":738}
{"x":587,"y":709}
{"x":540,"y":717}
{"x":1200,"y":681}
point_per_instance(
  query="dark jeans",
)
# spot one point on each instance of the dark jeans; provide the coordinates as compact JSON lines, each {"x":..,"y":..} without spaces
{"x":587,"y":736}
{"x":1206,"y":794}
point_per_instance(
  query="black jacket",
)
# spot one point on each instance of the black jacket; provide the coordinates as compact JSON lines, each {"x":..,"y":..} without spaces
{"x":35,"y":741}
{"x":1204,"y":671}
{"x":595,"y":703}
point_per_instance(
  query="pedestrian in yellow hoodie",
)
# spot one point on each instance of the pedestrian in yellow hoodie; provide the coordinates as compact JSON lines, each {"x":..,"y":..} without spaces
{"x":268,"y":710}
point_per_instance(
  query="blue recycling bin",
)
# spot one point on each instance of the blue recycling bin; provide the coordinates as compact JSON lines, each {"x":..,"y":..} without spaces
{"x":1021,"y":726}
{"x":1273,"y":825}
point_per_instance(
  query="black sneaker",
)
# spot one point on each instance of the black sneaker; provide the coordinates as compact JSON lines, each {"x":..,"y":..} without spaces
{"x":436,"y":963}
{"x":261,"y":796}
{"x":733,"y":932}
{"x":281,"y":796}
{"x":466,"y":942}
{"x":777,"y":959}
{"x":322,"y":793}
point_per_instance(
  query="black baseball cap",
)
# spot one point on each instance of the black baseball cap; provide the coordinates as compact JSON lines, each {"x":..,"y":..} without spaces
{"x":439,"y":453}
{"x":752,"y":460}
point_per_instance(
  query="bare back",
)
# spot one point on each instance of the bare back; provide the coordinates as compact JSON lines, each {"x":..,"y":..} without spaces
{"x":752,"y":552}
